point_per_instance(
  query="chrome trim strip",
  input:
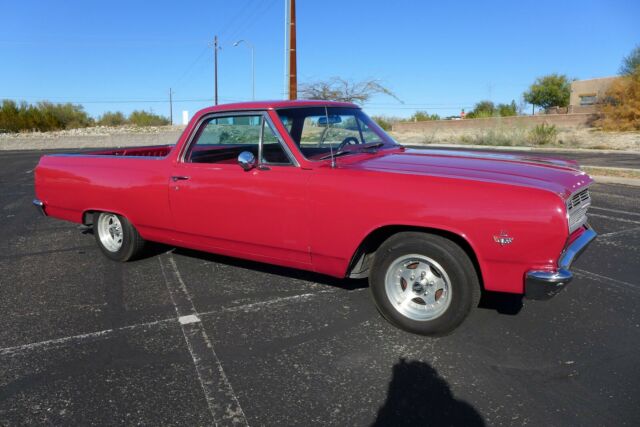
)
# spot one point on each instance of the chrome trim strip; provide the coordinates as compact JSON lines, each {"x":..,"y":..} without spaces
{"x":39,"y":205}
{"x":561,"y":275}
{"x":222,"y":114}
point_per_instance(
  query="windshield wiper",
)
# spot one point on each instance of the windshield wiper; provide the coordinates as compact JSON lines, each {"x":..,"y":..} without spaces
{"x":337,"y":154}
{"x":360,"y":148}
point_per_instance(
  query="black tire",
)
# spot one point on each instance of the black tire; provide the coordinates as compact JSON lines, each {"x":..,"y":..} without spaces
{"x":131,"y":241}
{"x":464,"y":285}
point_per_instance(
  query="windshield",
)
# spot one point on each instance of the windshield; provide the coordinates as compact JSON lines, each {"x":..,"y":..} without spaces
{"x":318,"y":131}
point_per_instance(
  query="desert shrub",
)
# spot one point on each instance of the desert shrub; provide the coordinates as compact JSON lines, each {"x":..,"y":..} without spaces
{"x":43,"y":116}
{"x":621,"y":108}
{"x":497,"y":136}
{"x":112,"y":119}
{"x":543,"y":134}
{"x":144,"y":118}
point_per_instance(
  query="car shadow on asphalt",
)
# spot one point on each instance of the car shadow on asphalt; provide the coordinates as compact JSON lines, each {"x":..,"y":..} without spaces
{"x":503,"y":303}
{"x":346,"y":284}
{"x":418,"y":396}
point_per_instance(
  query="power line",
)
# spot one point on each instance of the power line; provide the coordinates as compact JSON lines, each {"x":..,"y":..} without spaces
{"x":200,"y":56}
{"x":118,"y":101}
{"x":251,"y":19}
{"x":235,"y":18}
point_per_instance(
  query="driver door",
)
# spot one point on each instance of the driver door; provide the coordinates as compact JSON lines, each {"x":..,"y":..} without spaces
{"x":220,"y":207}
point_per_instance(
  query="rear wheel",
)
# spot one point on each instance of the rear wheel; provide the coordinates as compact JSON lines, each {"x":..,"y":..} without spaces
{"x":423,"y":283}
{"x":116,"y":236}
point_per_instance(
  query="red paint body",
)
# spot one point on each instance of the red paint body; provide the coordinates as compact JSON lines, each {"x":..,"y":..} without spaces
{"x":315,"y":217}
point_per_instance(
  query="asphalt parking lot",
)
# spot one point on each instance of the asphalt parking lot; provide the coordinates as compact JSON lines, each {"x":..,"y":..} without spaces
{"x":88,"y":341}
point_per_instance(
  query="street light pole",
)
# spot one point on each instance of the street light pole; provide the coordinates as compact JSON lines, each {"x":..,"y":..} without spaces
{"x":253,"y":67}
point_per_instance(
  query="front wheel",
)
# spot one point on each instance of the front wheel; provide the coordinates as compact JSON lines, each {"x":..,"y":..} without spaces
{"x":116,"y":236}
{"x":423,"y":283}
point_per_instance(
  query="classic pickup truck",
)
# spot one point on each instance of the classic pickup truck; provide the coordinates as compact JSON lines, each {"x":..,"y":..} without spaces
{"x":317,"y":185}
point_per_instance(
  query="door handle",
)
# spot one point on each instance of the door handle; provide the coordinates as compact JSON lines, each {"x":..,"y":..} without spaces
{"x":179,"y":178}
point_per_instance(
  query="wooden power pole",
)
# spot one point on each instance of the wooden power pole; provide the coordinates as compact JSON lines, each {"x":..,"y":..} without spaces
{"x":293,"y":78}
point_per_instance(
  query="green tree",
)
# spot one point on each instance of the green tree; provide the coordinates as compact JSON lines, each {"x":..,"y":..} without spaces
{"x":549,"y":91}
{"x":482,"y":110}
{"x":505,"y":110}
{"x":423,"y":116}
{"x":630,"y":62}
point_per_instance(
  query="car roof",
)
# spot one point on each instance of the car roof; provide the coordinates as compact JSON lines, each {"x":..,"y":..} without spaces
{"x":271,"y":105}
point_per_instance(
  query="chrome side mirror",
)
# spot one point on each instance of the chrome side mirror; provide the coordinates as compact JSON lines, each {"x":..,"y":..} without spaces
{"x":247,"y":160}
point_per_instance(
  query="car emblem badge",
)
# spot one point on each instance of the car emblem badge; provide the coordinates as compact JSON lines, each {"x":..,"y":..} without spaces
{"x":503,"y":239}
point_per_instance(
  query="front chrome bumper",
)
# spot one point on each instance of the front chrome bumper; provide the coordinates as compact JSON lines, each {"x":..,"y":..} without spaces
{"x":39,"y":206}
{"x":542,"y":285}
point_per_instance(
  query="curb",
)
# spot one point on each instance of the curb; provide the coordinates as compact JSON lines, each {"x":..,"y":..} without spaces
{"x":524,"y":148}
{"x":601,"y":179}
{"x":604,"y":168}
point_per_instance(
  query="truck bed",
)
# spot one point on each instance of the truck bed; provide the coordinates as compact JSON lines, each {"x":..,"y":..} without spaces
{"x":150,"y":151}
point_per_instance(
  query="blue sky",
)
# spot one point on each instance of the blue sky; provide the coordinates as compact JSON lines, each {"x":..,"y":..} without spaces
{"x":436,"y":56}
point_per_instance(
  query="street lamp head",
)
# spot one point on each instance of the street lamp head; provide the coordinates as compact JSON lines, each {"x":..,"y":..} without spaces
{"x":238,"y":42}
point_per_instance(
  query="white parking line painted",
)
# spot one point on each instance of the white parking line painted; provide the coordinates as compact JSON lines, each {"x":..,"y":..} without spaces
{"x":76,"y":339}
{"x":615,"y":211}
{"x":218,"y":392}
{"x":615,"y":233}
{"x":608,"y":280}
{"x":613,"y":218}
{"x":107,"y":333}
{"x":611,"y":195}
{"x":260,"y":304}
{"x":185,"y":320}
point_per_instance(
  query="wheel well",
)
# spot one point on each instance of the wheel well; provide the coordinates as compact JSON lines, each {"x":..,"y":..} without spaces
{"x":360,"y":262}
{"x":87,"y":218}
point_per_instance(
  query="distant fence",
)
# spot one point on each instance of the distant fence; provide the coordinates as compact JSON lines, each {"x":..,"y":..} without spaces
{"x":572,"y":121}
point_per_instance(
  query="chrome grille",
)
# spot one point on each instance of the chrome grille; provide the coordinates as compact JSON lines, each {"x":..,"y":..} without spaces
{"x":577,"y":206}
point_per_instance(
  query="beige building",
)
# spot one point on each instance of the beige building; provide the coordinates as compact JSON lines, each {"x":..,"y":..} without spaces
{"x":585,"y":94}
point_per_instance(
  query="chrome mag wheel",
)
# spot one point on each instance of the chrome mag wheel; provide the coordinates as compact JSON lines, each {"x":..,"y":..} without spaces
{"x":418,"y":287}
{"x":110,"y":232}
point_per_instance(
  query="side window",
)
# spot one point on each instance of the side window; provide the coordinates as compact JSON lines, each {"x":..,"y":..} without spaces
{"x":221,"y":139}
{"x":367,"y":134}
{"x":272,"y":150}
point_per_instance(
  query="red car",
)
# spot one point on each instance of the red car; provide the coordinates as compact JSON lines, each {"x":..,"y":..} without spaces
{"x":317,"y":185}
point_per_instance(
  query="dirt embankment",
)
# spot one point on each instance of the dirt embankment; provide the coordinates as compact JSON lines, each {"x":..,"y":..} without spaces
{"x":517,"y":137}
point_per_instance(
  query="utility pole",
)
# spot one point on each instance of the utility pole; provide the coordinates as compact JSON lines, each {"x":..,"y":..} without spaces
{"x":215,"y":70}
{"x":293,"y":78}
{"x":171,"y":106}
{"x":286,"y":50}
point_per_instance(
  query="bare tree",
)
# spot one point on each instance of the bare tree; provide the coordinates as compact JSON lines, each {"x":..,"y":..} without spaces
{"x":339,"y":89}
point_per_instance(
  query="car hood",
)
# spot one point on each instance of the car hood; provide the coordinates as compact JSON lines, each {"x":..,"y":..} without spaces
{"x":560,"y":176}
